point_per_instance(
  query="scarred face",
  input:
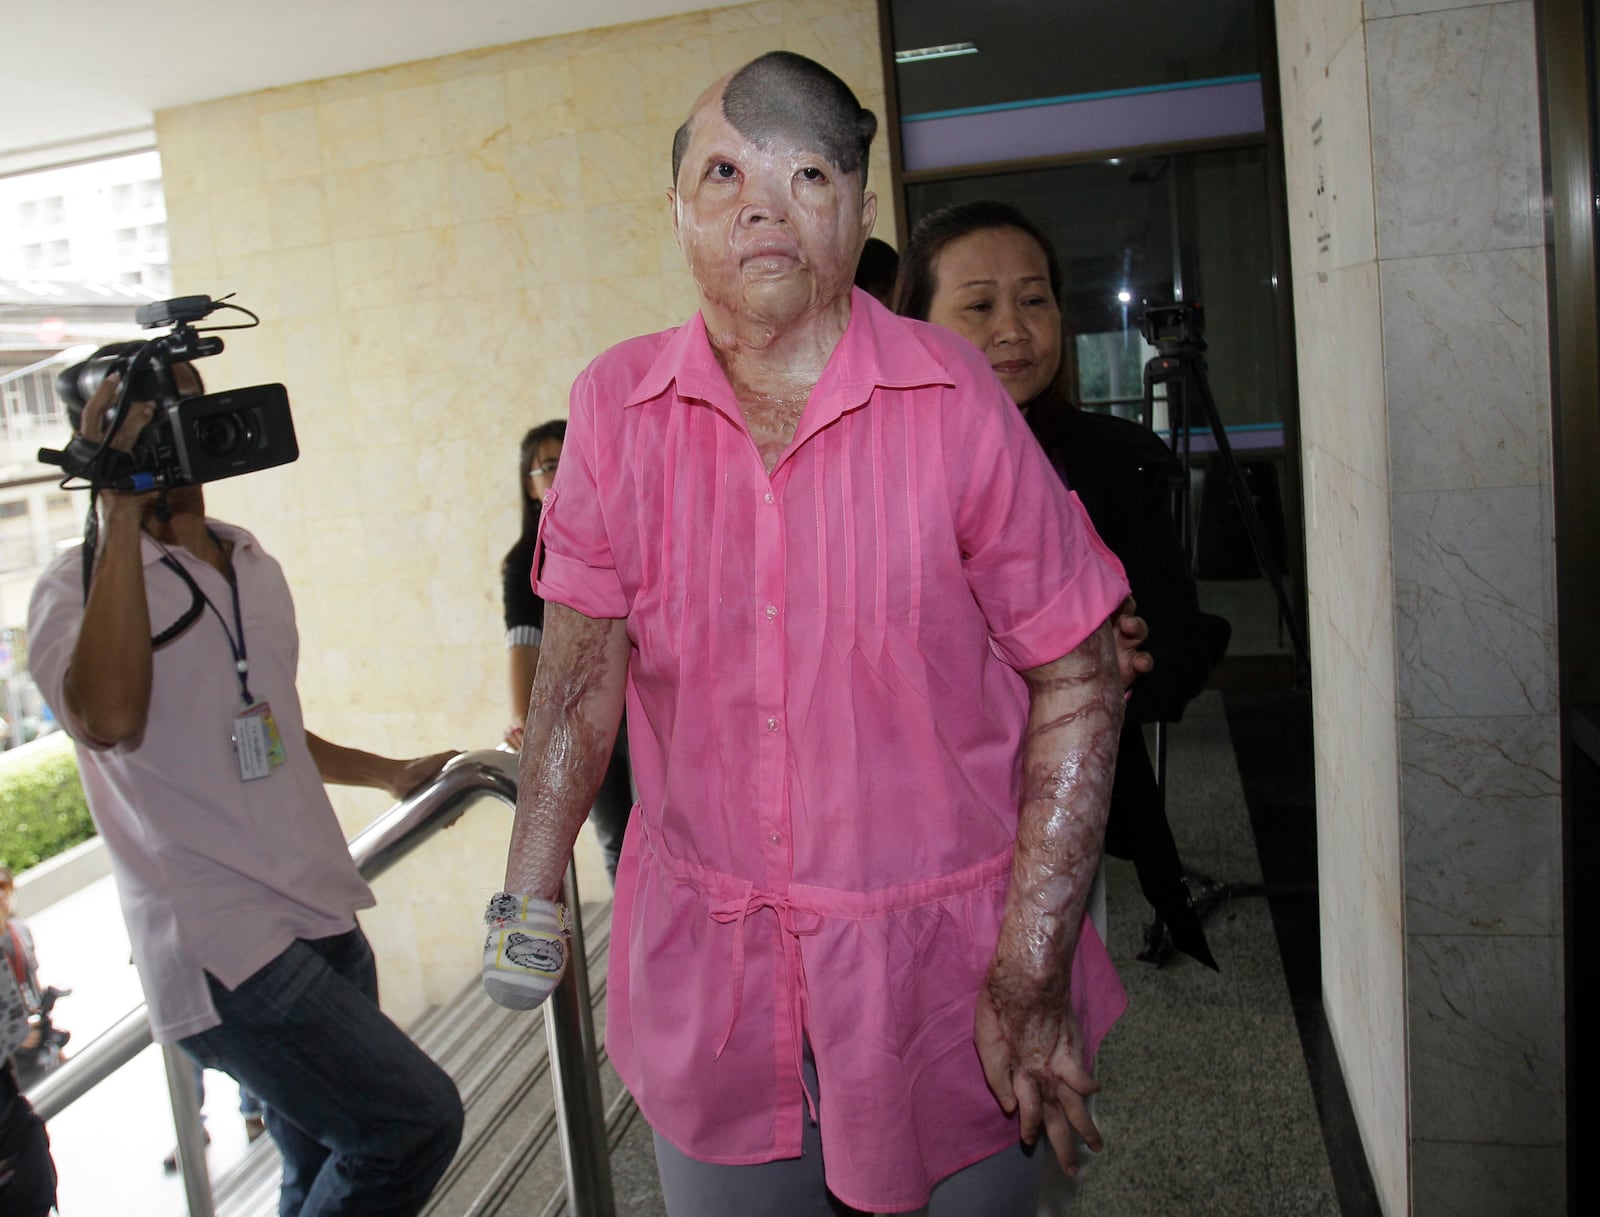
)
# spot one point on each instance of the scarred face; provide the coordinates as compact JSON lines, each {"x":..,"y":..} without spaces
{"x":772,"y":230}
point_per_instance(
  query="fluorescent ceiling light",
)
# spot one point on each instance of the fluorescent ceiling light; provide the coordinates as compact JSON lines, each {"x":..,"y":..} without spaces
{"x":946,"y":51}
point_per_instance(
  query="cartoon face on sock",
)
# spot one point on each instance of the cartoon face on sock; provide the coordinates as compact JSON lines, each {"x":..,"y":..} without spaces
{"x":537,"y":954}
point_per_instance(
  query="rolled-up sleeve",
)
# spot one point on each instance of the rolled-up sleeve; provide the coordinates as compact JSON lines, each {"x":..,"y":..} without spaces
{"x":578,"y":568}
{"x":1040,"y":573}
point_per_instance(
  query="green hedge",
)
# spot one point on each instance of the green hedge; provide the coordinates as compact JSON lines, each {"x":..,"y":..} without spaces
{"x":42,"y":810}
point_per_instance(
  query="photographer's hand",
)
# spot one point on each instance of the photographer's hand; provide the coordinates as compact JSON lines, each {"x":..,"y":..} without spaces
{"x":341,"y":766}
{"x":107,"y":686}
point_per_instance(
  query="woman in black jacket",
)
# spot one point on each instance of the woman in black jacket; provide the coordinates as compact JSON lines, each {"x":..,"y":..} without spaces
{"x":986,"y":272}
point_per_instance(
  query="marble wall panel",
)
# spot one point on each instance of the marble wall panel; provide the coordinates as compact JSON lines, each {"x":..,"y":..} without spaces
{"x":413,"y":122}
{"x":670,"y":78}
{"x":418,"y":194}
{"x":307,"y":285}
{"x":1359,"y":391}
{"x":539,"y":98}
{"x":1482,"y":825}
{"x":1359,"y":896}
{"x":472,"y":111}
{"x":1486,"y":1047}
{"x":1402,"y":8}
{"x":1310,"y":36}
{"x":480,"y":182}
{"x":350,"y":132}
{"x":241,"y":221}
{"x":233,"y":151}
{"x":1468,"y":386}
{"x":1346,"y":159}
{"x":288,"y":140}
{"x":1475,"y":628}
{"x":1452,"y":1179}
{"x":1455,"y":134}
{"x":1367,"y":616}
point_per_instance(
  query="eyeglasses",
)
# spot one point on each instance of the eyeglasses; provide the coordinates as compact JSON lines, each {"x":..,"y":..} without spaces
{"x":543,"y":469}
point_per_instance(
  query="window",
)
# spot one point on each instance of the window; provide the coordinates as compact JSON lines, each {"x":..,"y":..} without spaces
{"x":127,"y":241}
{"x":1111,"y":370}
{"x":38,"y":213}
{"x":1183,"y":226}
{"x":1037,"y":49}
{"x":14,"y":509}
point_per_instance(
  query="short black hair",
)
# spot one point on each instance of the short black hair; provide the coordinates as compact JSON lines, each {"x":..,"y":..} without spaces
{"x":784,"y":93}
{"x":913,"y":290}
{"x":876,"y":270}
{"x":555,"y":429}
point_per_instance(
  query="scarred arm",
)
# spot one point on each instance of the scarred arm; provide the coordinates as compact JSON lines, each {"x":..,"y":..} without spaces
{"x":571,"y":726}
{"x":1027,"y":1037}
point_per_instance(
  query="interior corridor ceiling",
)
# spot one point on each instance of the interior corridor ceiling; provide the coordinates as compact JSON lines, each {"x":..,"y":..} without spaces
{"x":76,"y":69}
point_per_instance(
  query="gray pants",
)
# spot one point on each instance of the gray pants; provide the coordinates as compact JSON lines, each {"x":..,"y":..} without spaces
{"x":1006,"y":1184}
{"x":1016,"y":1182}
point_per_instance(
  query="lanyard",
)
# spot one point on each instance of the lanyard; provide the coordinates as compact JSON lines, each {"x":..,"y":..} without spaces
{"x":241,"y":661}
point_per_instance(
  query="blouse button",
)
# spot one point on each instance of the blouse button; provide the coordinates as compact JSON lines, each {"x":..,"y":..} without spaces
{"x":776,"y":839}
{"x":772,"y":611}
{"x":772,"y":724}
{"x":767,"y":498}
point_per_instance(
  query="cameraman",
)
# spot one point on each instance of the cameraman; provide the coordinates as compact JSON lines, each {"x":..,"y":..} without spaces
{"x":235,"y":881}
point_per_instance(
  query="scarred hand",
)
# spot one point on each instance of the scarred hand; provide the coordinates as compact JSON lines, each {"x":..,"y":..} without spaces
{"x":1131,"y":631}
{"x":525,"y":953}
{"x":1032,"y":1057}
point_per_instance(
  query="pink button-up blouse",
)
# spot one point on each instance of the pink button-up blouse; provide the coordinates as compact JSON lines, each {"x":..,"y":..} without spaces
{"x":825,"y":717}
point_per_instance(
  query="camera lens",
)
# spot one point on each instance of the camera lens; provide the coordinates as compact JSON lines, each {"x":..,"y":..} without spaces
{"x":225,"y":435}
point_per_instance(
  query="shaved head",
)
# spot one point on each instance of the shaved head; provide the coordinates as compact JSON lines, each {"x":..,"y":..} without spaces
{"x":784,"y":95}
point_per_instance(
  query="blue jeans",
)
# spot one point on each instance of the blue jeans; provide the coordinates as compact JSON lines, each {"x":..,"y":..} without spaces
{"x":364,"y":1119}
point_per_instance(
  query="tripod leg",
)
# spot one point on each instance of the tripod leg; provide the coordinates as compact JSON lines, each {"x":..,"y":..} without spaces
{"x":1247,"y":510}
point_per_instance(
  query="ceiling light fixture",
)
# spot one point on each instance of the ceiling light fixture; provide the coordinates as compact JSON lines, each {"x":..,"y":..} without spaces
{"x":945,"y":51}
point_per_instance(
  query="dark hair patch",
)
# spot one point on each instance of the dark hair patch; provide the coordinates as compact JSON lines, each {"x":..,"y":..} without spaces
{"x":555,"y":429}
{"x":784,"y":94}
{"x":913,"y":290}
{"x":680,"y":145}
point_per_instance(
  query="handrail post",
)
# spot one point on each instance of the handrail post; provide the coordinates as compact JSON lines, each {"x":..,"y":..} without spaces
{"x":569,"y":1030}
{"x":191,"y":1137}
{"x":569,"y":1022}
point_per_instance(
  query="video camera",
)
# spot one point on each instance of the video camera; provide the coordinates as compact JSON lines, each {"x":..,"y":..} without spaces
{"x":1171,"y":327}
{"x":192,"y":438}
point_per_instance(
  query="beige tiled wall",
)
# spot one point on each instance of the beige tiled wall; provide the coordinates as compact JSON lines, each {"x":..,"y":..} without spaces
{"x":435,"y":250}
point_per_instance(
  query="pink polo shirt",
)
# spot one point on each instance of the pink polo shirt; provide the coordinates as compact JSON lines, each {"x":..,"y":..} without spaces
{"x":825,"y":719}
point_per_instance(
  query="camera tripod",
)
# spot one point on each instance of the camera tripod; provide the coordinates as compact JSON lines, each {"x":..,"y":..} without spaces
{"x":1179,"y":365}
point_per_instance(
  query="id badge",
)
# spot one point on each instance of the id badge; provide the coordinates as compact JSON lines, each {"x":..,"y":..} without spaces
{"x":256,"y":743}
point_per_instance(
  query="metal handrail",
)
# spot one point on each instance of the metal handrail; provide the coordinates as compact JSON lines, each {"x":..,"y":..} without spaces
{"x":394,"y":834}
